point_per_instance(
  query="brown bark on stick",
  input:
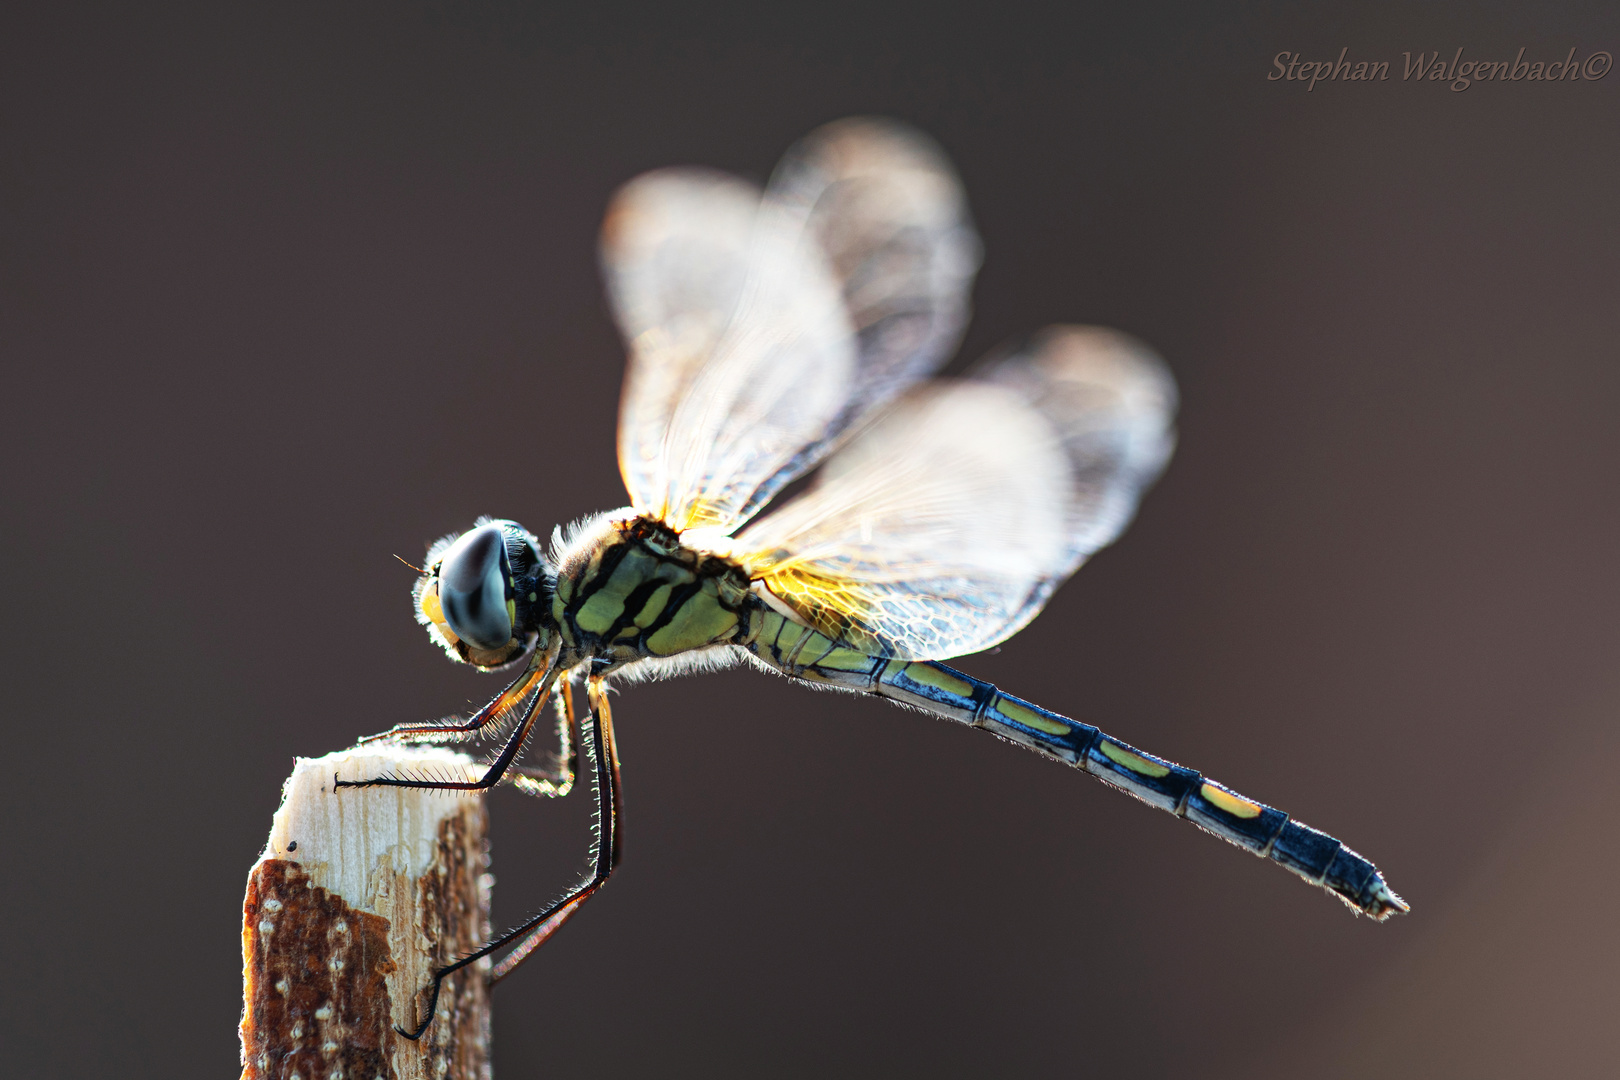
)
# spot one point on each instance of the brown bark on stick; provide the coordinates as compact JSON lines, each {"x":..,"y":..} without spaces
{"x":359,"y":895}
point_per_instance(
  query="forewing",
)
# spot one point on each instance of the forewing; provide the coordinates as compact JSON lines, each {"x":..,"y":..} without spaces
{"x":675,"y":254}
{"x":943,"y":527}
{"x":883,"y":202}
{"x":760,"y":331}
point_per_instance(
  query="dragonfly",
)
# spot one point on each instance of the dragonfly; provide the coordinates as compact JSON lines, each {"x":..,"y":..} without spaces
{"x":795,"y":333}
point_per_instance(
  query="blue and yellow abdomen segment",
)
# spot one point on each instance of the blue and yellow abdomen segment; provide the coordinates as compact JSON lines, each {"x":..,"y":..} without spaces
{"x":924,"y":684}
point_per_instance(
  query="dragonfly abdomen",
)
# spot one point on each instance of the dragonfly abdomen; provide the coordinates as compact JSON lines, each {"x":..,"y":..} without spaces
{"x":924,"y":684}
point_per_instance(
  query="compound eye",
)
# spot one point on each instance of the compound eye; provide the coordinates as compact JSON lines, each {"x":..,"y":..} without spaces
{"x":472,"y":589}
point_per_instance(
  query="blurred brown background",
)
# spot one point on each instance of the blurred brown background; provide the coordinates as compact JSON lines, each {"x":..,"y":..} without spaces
{"x":287,"y":290}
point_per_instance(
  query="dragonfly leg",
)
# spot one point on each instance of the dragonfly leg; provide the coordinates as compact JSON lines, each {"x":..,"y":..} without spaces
{"x":492,"y":776}
{"x":451,"y":730}
{"x":531,"y":934}
{"x":557,"y":780}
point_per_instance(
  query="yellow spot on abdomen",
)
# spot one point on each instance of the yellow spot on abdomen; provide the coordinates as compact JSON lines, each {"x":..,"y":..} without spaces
{"x":928,"y":675}
{"x":1134,"y":762}
{"x":1030,"y":718}
{"x":1232,"y":803}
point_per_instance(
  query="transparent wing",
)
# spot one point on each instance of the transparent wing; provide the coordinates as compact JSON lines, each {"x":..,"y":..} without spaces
{"x":944,"y":526}
{"x":1112,"y":402}
{"x":675,"y":250}
{"x":760,"y":330}
{"x":885,"y":205}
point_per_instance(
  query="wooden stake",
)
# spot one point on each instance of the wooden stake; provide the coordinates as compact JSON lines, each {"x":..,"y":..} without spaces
{"x":359,"y":895}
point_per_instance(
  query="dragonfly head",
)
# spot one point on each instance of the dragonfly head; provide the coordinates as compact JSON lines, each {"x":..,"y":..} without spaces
{"x":486,"y":594}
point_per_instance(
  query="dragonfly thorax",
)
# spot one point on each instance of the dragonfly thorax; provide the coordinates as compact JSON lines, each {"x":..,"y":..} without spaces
{"x":627,"y":589}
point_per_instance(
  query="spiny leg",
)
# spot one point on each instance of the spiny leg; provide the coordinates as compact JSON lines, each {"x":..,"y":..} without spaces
{"x":531,"y":934}
{"x":492,"y":776}
{"x":558,"y":781}
{"x":610,"y":838}
{"x":498,"y":707}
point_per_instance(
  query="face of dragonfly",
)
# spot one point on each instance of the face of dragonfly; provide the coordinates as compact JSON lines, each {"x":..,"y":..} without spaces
{"x":486,"y":595}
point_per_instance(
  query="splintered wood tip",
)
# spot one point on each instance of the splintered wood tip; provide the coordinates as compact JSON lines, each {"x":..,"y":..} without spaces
{"x":359,"y":895}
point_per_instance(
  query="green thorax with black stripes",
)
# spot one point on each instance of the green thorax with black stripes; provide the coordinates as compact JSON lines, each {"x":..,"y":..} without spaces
{"x":639,"y":593}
